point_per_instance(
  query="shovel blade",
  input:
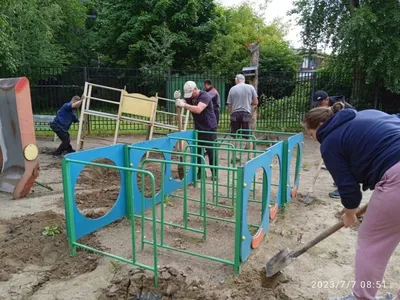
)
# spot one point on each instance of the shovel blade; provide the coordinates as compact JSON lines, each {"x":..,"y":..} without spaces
{"x":278,"y":262}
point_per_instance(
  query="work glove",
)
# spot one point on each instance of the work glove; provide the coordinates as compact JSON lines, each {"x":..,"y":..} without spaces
{"x":180,"y":102}
{"x":177,"y":94}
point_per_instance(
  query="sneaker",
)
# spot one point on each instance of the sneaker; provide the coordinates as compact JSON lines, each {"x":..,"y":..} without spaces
{"x":334,"y":194}
{"x":386,"y":296}
{"x":346,"y":297}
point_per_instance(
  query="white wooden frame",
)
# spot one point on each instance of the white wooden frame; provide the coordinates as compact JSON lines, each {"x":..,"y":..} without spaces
{"x":132,"y":107}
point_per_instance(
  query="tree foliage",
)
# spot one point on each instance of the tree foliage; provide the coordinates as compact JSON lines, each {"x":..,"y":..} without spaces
{"x":6,"y":58}
{"x":40,"y":32}
{"x":364,"y":35}
{"x":125,"y":28}
{"x":240,"y":25}
{"x":154,"y":36}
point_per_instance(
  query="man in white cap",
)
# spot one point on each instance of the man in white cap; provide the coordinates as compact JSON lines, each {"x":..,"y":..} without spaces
{"x":200,"y":104}
{"x":241,"y":97}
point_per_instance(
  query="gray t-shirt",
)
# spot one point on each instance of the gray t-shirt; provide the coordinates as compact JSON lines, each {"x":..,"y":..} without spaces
{"x":241,"y":96}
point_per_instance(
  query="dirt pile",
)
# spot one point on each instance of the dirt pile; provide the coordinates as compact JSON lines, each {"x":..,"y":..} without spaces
{"x":177,"y":285}
{"x":98,"y":177}
{"x":23,"y":243}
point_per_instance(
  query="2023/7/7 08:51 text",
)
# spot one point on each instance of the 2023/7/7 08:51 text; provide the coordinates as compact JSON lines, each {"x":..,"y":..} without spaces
{"x":346,"y":284}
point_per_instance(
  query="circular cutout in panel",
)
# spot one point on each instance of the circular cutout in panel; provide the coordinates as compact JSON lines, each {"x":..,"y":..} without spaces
{"x":178,"y":171}
{"x":152,"y":167}
{"x":97,"y":189}
{"x":294,"y":165}
{"x":257,"y":197}
{"x":276,"y":174}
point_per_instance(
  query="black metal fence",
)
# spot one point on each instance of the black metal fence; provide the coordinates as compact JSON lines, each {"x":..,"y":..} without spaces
{"x":284,"y":97}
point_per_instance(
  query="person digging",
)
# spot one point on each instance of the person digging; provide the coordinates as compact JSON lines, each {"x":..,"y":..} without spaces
{"x":200,"y":104}
{"x":363,"y":148}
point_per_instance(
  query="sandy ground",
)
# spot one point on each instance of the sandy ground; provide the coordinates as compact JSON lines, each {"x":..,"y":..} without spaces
{"x":37,"y":266}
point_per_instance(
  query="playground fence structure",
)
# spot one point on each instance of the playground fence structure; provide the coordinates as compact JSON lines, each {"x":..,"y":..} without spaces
{"x":237,"y":187}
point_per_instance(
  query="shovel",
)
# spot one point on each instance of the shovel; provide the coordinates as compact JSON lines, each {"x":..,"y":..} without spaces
{"x":308,"y":200}
{"x":181,"y":173}
{"x":284,"y":257}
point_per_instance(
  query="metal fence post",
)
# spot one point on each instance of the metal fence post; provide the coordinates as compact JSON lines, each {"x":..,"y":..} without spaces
{"x":313,"y":80}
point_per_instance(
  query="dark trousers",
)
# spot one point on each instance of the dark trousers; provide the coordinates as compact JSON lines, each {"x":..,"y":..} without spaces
{"x":240,"y":120}
{"x":206,"y":137}
{"x":64,"y":137}
{"x":216,"y":112}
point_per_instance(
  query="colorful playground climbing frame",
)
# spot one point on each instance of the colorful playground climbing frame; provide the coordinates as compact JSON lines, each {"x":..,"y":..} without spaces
{"x":132,"y":203}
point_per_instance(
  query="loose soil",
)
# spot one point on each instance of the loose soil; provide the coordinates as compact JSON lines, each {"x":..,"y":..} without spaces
{"x":42,"y":264}
{"x":22,"y":243}
{"x":176,"y":284}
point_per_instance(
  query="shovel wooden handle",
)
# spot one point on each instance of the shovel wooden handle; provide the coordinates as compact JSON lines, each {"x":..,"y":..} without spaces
{"x":180,"y":146}
{"x":325,"y":234}
{"x":310,"y":190}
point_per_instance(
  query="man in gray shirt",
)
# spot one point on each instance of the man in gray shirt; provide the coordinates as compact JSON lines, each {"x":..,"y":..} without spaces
{"x":240,"y":99}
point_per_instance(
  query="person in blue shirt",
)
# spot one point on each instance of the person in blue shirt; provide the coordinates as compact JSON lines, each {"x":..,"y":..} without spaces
{"x":61,"y":124}
{"x":363,"y":148}
{"x":321,"y":98}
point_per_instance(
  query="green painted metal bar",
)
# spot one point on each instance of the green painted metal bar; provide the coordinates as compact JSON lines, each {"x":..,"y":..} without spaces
{"x":128,"y":185}
{"x":172,"y":224}
{"x":142,"y":235}
{"x":228,"y":174}
{"x":224,"y":261}
{"x":283,"y":175}
{"x":225,"y":133}
{"x":203,"y":198}
{"x":153,"y":198}
{"x":272,"y":132}
{"x":80,"y":162}
{"x":129,"y":201}
{"x":238,"y":230}
{"x":196,"y":144}
{"x":198,"y":201}
{"x":162,"y":202}
{"x":120,"y":259}
{"x":255,"y":201}
{"x":68,"y":204}
{"x":185,"y":204}
{"x":188,"y":164}
{"x":214,"y":218}
{"x":215,"y":180}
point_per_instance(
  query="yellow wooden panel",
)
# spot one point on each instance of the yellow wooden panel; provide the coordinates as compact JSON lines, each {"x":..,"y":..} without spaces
{"x":138,"y":104}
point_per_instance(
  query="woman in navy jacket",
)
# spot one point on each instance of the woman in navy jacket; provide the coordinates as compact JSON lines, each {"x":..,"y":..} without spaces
{"x":363,"y":148}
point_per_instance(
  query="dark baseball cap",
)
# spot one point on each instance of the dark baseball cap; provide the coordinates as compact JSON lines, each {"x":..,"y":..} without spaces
{"x":319,"y":96}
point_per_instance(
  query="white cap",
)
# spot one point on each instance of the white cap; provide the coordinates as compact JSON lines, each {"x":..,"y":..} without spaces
{"x":188,"y":88}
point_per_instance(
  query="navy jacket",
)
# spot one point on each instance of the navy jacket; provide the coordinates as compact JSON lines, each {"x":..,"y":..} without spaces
{"x":65,"y":116}
{"x":358,"y":148}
